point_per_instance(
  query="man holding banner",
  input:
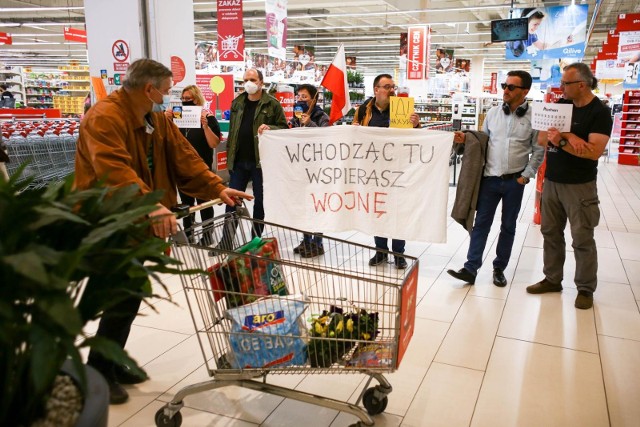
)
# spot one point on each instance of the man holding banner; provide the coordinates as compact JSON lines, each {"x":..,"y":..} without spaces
{"x":512,"y":159}
{"x":375,"y":112}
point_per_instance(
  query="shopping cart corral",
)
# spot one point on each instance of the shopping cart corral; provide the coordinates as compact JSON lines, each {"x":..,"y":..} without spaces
{"x":46,"y":147}
{"x":258,"y":311}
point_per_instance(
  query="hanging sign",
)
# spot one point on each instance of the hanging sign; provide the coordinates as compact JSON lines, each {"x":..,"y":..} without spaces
{"x":417,"y":60}
{"x":74,"y":35}
{"x":5,"y":38}
{"x":230,"y":31}
{"x":276,"y":11}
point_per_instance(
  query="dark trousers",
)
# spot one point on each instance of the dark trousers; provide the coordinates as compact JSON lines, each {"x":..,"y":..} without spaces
{"x":579,"y":204}
{"x":383,"y":243}
{"x":492,"y":191}
{"x":240,"y":176}
{"x":188,"y":221}
{"x":114,"y":325}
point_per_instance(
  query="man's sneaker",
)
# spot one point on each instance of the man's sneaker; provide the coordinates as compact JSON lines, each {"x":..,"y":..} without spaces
{"x":464,"y":275}
{"x":400,"y":262}
{"x":498,"y":278}
{"x":117,"y":394}
{"x":544,"y":286}
{"x":312,"y":250}
{"x":125,"y":376}
{"x":378,"y":258}
{"x":584,"y":300}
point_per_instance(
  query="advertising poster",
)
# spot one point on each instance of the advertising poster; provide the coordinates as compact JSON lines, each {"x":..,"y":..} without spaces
{"x":276,"y":11}
{"x":230,"y":31}
{"x":554,"y":32}
{"x":205,"y":55}
{"x":548,"y":72}
{"x":217,"y":90}
{"x":629,"y":57}
{"x":351,"y":62}
{"x":302,"y":69}
{"x":444,"y":61}
{"x":463,"y":66}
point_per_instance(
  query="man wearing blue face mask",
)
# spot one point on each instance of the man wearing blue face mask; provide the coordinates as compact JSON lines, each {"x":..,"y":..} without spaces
{"x":252,"y":112}
{"x":121,"y":143}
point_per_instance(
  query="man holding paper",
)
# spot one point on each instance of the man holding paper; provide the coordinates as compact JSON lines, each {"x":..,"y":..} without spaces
{"x":570,"y":190}
{"x":376,"y":112}
{"x":512,"y":159}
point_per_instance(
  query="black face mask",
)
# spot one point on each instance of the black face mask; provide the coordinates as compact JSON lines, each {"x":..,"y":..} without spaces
{"x":188,"y":103}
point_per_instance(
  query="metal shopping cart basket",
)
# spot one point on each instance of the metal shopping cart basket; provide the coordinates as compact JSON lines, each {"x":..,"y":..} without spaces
{"x":259,"y":309}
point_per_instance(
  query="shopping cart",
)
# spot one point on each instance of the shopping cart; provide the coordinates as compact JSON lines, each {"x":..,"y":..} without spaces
{"x":344,"y":317}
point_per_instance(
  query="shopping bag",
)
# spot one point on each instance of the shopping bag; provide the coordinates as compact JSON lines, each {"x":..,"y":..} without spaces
{"x":243,"y":279}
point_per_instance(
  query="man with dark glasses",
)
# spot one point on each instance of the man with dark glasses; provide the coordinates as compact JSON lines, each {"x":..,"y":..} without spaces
{"x":512,"y":159}
{"x":570,"y":191}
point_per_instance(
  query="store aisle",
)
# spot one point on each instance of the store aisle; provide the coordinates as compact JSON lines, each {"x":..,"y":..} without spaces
{"x":481,"y":355}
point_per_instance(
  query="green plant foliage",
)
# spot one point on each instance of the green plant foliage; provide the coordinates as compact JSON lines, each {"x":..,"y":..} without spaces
{"x":65,"y":256}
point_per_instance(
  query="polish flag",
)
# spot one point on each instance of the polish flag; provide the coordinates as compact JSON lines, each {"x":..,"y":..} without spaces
{"x":336,"y":81}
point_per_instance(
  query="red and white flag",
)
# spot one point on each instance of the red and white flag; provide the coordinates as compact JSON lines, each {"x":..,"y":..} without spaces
{"x":336,"y":81}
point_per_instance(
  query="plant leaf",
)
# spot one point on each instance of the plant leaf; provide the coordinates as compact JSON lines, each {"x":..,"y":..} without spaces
{"x":28,"y":264}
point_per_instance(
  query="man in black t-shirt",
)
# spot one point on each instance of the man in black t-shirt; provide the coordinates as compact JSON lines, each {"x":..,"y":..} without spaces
{"x":570,"y":190}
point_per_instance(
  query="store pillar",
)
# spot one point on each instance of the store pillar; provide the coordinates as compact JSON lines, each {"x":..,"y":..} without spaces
{"x":122,"y":31}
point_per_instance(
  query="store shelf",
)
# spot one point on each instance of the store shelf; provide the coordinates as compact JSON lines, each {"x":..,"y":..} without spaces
{"x":11,"y":82}
{"x":629,"y":148}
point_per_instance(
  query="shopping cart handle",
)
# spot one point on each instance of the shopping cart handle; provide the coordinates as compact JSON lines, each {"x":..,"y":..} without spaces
{"x":183,"y":210}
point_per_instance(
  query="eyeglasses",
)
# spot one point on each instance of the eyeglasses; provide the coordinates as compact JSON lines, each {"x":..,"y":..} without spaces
{"x":388,"y":87}
{"x":511,"y":87}
{"x":186,"y":99}
{"x":570,"y":83}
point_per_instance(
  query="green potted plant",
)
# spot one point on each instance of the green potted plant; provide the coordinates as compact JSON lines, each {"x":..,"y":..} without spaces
{"x":65,"y":256}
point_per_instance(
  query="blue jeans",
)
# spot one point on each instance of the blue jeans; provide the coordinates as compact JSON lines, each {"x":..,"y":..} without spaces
{"x":492,"y":190}
{"x":242,"y":173}
{"x":383,"y":243}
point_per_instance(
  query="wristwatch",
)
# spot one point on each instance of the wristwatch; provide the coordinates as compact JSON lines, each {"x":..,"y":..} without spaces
{"x":562,"y":143}
{"x":525,"y":179}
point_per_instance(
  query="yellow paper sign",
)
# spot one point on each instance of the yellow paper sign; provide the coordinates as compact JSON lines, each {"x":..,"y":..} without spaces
{"x":401,"y":109}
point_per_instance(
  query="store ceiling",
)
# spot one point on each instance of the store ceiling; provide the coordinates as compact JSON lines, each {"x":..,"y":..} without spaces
{"x":369,"y":28}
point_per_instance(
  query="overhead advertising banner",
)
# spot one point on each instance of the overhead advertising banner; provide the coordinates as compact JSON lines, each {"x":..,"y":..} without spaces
{"x":358,"y":178}
{"x":418,"y":52}
{"x":548,"y":72}
{"x":444,"y":61}
{"x":276,"y":11}
{"x":554,"y":32}
{"x":74,"y":35}
{"x":230,"y":32}
{"x":629,"y":48}
{"x":301,"y":70}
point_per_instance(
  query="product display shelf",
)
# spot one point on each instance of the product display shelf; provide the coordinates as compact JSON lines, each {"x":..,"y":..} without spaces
{"x":70,"y":100}
{"x":433,"y":111}
{"x":12,"y":78}
{"x":629,"y":148}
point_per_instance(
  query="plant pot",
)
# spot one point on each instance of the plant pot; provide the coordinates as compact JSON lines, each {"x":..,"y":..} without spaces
{"x":95,"y":412}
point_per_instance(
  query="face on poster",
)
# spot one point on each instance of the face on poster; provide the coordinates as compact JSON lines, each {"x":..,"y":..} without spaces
{"x":554,"y":32}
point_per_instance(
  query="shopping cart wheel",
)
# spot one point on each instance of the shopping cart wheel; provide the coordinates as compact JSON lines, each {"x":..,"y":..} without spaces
{"x":163,"y":420}
{"x":373,"y":404}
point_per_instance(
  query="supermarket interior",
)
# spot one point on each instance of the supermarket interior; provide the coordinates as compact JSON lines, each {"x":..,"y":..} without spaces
{"x":253,"y":330}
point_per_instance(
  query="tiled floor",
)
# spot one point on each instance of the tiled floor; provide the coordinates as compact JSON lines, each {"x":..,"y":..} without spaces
{"x":480,"y":356}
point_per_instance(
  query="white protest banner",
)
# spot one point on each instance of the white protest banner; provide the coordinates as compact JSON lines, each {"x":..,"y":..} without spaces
{"x":381,"y":181}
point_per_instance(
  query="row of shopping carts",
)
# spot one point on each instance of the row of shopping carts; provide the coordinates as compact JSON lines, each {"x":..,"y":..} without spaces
{"x":46,"y":147}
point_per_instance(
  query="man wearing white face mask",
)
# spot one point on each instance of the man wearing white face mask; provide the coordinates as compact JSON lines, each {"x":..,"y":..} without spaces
{"x":122,"y":142}
{"x":252,"y":112}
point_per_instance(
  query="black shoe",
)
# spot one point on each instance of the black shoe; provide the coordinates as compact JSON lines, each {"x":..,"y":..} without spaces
{"x":312,"y":250}
{"x":378,"y":259}
{"x":125,"y":376}
{"x":117,"y":394}
{"x":498,"y":278}
{"x":301,"y":247}
{"x":464,"y":275}
{"x":400,"y":262}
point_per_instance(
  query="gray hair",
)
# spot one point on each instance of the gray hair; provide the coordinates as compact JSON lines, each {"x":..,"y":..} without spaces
{"x":145,"y":71}
{"x":585,"y":73}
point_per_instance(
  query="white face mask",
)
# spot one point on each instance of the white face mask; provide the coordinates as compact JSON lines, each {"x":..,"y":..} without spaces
{"x":250,"y":87}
